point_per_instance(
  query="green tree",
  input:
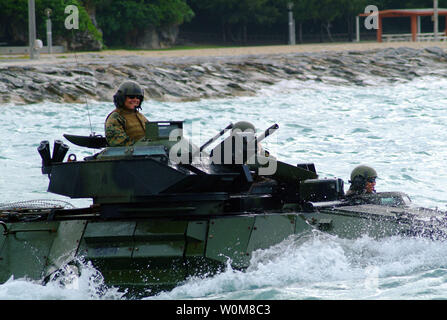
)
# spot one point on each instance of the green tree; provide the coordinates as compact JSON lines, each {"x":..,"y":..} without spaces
{"x":407,"y":4}
{"x":252,"y":11}
{"x":58,"y":16}
{"x":328,"y":11}
{"x":351,"y":9}
{"x":238,"y":14}
{"x":324,"y":12}
{"x":14,"y":15}
{"x":303,"y":11}
{"x":125,"y":21}
{"x":222,"y":10}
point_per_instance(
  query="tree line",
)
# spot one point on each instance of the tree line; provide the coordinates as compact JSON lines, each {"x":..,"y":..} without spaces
{"x":234,"y":19}
{"x":123,"y":23}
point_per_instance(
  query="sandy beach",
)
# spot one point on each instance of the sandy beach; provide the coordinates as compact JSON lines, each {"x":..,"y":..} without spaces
{"x":279,"y":49}
{"x":221,"y":52}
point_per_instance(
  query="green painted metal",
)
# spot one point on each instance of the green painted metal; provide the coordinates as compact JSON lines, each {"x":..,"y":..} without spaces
{"x":228,"y":239}
{"x":107,"y":240}
{"x":270,"y":229}
{"x":302,"y":225}
{"x":37,"y":249}
{"x":354,"y":225}
{"x":159,"y":238}
{"x":65,"y":244}
{"x":155,"y":222}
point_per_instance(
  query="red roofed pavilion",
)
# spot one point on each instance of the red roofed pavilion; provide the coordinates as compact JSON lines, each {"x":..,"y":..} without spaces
{"x":413,"y":14}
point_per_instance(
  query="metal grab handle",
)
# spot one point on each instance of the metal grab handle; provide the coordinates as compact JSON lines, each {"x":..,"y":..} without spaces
{"x":266,"y":133}
{"x":230,"y":126}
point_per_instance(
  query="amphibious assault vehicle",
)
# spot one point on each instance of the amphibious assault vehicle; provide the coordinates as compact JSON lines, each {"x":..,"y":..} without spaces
{"x":164,"y":209}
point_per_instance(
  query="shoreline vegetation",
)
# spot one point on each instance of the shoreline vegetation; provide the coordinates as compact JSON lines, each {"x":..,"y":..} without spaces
{"x":188,"y":74}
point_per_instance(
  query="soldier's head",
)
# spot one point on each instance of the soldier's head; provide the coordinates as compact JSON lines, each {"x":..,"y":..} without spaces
{"x":243,"y":135}
{"x":129,"y":96}
{"x":363,"y":179}
{"x":243,"y":126}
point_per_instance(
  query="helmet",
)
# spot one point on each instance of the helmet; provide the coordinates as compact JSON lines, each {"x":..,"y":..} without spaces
{"x":243,"y":126}
{"x":363,"y":171}
{"x":128,"y":88}
{"x":359,"y":177}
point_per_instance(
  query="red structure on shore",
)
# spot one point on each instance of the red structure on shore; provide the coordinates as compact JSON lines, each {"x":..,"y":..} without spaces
{"x":413,"y":14}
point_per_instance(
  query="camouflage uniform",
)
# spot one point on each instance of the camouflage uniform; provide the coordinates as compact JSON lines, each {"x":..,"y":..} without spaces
{"x":124,"y":127}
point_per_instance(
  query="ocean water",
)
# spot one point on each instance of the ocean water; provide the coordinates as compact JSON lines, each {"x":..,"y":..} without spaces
{"x":399,"y":129}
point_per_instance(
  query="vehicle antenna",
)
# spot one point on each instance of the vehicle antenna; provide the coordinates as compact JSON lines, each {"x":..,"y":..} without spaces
{"x":83,"y":84}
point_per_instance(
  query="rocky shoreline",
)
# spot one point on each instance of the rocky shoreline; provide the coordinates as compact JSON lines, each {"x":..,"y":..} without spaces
{"x":96,"y":77}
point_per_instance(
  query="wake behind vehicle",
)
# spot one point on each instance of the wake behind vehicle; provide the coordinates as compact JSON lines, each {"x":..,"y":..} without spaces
{"x":164,"y":209}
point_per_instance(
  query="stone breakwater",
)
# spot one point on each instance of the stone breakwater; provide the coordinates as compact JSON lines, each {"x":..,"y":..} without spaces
{"x":96,"y":77}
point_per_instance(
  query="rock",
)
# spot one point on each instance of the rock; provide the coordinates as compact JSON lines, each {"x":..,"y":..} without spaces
{"x":83,"y":71}
{"x":73,"y":95}
{"x":32,"y":86}
{"x":85,"y":89}
{"x":53,"y":89}
{"x":153,"y":93}
{"x":84,"y":41}
{"x":290,"y":70}
{"x":158,"y":38}
{"x":13,"y":82}
{"x":33,"y":98}
{"x":192,"y":78}
{"x":198,"y":69}
{"x":235,"y":86}
{"x":107,"y":84}
{"x":39,"y":78}
{"x":436,"y":51}
{"x":3,"y":88}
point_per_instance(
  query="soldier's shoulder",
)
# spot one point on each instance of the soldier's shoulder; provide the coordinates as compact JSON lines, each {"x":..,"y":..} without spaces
{"x":114,"y":116}
{"x":141,"y":116}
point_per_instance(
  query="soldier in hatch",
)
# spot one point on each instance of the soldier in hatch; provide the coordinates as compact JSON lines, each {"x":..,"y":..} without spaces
{"x":265,"y":162}
{"x":245,"y":126}
{"x":126,"y":125}
{"x":363,"y":181}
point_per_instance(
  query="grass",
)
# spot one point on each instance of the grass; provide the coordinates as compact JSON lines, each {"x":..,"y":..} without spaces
{"x":14,"y":57}
{"x":112,"y":49}
{"x":208,"y":46}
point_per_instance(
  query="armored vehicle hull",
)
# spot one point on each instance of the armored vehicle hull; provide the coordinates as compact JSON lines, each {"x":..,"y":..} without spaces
{"x":156,"y":221}
{"x":157,"y":252}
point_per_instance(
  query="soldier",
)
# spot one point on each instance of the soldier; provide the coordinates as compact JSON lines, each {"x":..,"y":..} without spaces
{"x":264,"y":163}
{"x":245,"y":126}
{"x":126,"y":125}
{"x":363,"y":180}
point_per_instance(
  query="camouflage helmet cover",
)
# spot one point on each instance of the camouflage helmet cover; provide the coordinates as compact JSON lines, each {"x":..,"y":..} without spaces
{"x":128,"y":88}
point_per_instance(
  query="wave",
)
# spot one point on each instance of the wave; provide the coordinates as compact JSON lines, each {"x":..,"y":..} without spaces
{"x":321,"y":266}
